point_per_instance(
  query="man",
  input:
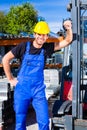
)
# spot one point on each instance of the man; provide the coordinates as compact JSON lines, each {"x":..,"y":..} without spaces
{"x":29,"y":85}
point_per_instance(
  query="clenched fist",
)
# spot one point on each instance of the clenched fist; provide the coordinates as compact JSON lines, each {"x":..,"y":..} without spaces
{"x":67,"y":24}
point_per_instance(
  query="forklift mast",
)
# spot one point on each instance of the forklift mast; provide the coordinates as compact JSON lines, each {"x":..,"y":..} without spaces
{"x":77,"y":10}
{"x":71,"y":113}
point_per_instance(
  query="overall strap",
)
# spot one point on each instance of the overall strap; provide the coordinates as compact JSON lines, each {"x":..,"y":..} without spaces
{"x":42,"y":51}
{"x":28,"y":47}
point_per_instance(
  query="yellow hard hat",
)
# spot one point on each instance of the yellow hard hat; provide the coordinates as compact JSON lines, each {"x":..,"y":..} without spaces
{"x":42,"y":28}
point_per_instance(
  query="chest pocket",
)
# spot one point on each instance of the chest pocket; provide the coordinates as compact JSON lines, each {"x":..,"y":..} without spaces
{"x":34,"y":63}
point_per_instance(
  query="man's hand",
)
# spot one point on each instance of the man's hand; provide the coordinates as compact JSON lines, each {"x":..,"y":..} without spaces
{"x":13,"y":81}
{"x":67,"y":24}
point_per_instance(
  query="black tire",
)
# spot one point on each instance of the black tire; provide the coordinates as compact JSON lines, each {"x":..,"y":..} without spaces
{"x":53,"y":127}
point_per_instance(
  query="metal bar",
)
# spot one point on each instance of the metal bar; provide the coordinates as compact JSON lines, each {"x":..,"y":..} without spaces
{"x":68,"y":122}
{"x":66,"y":56}
{"x":79,"y":51}
{"x":77,"y":108}
{"x":74,"y":53}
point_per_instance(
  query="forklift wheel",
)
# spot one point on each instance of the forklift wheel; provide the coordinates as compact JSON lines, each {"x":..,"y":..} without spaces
{"x":54,"y":127}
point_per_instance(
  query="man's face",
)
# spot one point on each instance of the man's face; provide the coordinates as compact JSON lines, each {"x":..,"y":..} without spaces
{"x":40,"y":38}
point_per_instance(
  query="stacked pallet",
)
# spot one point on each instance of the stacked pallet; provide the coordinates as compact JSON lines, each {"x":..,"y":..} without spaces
{"x":6,"y":104}
{"x":51,"y":80}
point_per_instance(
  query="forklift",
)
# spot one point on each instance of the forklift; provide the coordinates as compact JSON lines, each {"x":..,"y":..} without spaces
{"x":70,"y":110}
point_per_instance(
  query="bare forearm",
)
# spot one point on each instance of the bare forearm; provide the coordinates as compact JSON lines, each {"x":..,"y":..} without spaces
{"x":7,"y":70}
{"x":67,"y":40}
{"x":69,"y":36}
{"x":6,"y":64}
{"x":6,"y":67}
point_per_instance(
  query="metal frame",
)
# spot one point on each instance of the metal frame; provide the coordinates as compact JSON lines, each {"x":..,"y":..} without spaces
{"x":75,"y":121}
{"x":76,"y":47}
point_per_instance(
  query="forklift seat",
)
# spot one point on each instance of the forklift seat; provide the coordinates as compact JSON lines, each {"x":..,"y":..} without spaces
{"x":64,"y":105}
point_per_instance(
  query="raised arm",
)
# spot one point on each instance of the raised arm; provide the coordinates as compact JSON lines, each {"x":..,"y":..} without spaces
{"x":68,"y":38}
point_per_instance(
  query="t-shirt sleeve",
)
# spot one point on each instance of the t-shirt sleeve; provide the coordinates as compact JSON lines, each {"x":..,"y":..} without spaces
{"x":19,"y":50}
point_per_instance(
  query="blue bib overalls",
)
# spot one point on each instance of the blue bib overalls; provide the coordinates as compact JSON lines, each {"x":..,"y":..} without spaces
{"x":30,"y":87}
